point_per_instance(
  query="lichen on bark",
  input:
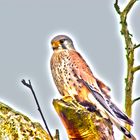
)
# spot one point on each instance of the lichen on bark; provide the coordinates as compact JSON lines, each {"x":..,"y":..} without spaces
{"x":81,"y":124}
{"x":16,"y":126}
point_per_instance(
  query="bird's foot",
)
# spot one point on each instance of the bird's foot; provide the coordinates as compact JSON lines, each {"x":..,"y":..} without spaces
{"x":90,"y":107}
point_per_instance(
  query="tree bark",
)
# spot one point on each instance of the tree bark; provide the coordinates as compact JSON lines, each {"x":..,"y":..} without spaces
{"x":81,"y":124}
{"x":130,"y":48}
{"x":16,"y":126}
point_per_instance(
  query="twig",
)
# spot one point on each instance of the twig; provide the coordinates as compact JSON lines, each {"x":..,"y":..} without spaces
{"x":137,"y":68}
{"x":136,"y":46}
{"x":135,"y":100}
{"x":117,"y":7}
{"x":128,"y":7}
{"x":29,"y":85}
{"x":57,"y":135}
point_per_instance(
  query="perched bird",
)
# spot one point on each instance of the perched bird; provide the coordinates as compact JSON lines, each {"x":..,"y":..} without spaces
{"x":73,"y":77}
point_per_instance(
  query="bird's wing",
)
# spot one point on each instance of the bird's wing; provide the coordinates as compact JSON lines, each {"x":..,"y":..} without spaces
{"x":121,"y":115}
{"x":84,"y":74}
{"x":81,"y":68}
{"x":105,"y":89}
{"x":100,"y":98}
{"x":96,"y":87}
{"x":112,"y":109}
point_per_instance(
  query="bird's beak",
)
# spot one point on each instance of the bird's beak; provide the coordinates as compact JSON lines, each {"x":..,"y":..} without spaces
{"x":55,"y":44}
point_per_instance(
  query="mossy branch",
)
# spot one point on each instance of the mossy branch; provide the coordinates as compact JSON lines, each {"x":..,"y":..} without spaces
{"x":16,"y":126}
{"x":81,"y":124}
{"x":130,"y":54}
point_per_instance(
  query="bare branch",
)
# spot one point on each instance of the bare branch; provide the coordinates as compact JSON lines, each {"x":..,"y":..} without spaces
{"x":57,"y":135}
{"x":124,"y":30}
{"x":26,"y":84}
{"x":136,"y":46}
{"x":117,"y":8}
{"x":137,"y":68}
{"x":129,"y":46}
{"x":29,"y":85}
{"x":129,"y":6}
{"x":135,"y":100}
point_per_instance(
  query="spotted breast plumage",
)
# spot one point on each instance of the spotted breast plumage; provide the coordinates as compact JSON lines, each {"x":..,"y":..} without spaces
{"x":73,"y":77}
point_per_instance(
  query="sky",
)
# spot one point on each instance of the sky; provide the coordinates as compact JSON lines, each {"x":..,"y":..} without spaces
{"x":26,"y":29}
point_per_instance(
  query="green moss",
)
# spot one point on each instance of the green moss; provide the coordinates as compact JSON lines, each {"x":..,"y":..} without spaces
{"x":80,"y":123}
{"x":15,"y":126}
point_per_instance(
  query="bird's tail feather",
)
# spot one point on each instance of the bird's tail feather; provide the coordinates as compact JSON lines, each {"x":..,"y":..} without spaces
{"x":120,"y":114}
{"x":114,"y":118}
{"x":126,"y":132}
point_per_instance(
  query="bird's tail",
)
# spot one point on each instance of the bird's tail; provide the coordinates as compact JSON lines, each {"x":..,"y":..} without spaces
{"x":111,"y":111}
{"x":126,"y":132}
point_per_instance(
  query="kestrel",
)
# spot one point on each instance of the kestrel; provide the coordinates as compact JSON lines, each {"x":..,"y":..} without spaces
{"x":73,"y":77}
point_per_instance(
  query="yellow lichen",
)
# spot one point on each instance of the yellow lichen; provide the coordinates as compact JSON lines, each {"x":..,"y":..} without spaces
{"x":16,"y":126}
{"x":80,"y":123}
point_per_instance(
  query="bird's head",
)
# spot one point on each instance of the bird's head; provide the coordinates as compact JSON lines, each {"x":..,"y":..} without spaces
{"x":61,"y":42}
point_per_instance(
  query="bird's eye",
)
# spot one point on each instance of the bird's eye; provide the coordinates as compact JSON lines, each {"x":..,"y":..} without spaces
{"x":62,"y":41}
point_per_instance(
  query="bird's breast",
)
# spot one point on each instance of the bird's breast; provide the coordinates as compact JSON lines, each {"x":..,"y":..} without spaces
{"x":66,"y":80}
